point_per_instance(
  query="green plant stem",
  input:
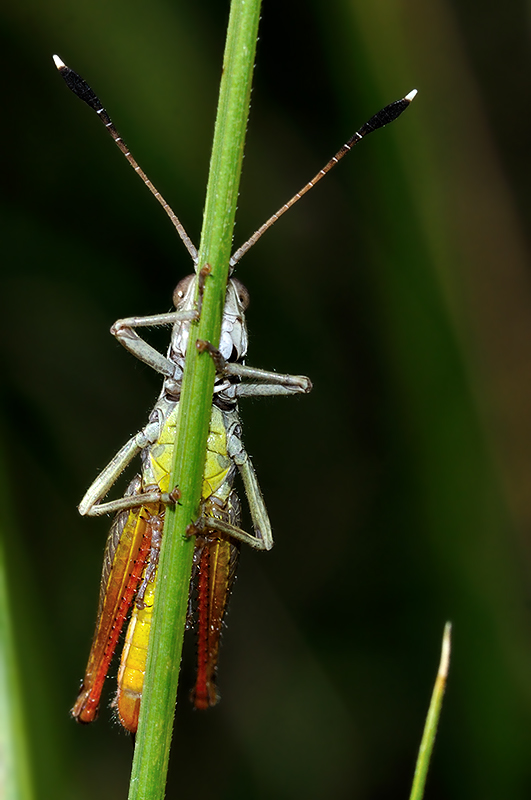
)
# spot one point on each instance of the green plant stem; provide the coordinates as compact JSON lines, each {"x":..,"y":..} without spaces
{"x":432,"y":719}
{"x":158,"y":704}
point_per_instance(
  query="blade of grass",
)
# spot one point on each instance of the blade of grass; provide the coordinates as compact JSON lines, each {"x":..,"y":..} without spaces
{"x":158,"y":704}
{"x":432,"y":719}
{"x":15,"y":775}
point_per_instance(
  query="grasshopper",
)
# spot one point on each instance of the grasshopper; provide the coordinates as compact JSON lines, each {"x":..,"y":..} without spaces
{"x":131,"y":555}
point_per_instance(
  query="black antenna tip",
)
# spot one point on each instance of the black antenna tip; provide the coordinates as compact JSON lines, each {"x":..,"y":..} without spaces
{"x":387,"y":114}
{"x":77,"y":85}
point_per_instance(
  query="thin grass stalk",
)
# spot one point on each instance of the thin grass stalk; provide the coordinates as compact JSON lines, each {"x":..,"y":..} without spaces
{"x":150,"y":762}
{"x":15,"y":770}
{"x":432,"y":719}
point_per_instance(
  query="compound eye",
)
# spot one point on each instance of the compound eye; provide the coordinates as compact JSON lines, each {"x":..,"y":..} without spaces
{"x":243,"y":294}
{"x":181,"y":290}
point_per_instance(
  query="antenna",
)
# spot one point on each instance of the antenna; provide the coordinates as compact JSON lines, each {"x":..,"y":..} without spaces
{"x":383,"y":117}
{"x":81,"y":88}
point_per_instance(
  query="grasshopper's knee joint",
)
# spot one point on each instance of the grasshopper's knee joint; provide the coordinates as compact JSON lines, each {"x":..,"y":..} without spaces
{"x":117,"y":328}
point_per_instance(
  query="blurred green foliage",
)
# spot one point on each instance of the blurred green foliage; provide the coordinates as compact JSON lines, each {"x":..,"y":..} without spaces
{"x":398,"y":490}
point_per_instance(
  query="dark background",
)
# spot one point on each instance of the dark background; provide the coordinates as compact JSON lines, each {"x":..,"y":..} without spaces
{"x":399,"y":490}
